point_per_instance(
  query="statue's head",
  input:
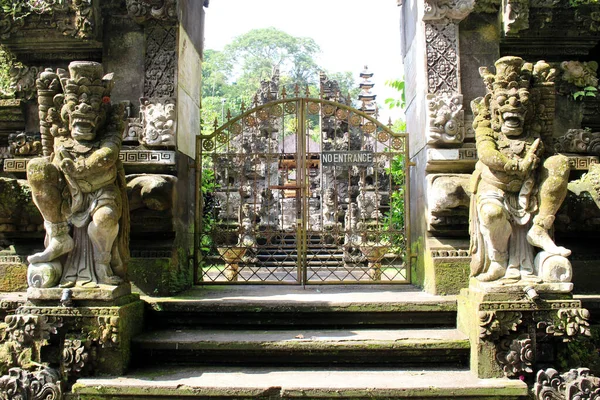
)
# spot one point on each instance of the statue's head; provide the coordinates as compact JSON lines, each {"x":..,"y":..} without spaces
{"x":520,"y":97}
{"x":509,"y":94}
{"x":87,"y":98}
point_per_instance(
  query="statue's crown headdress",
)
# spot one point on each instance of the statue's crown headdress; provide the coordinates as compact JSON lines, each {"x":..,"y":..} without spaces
{"x":511,"y":72}
{"x":86,"y":77}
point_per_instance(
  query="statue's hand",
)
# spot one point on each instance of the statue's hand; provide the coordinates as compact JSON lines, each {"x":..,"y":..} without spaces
{"x":528,"y":164}
{"x":523,"y":167}
{"x":72,"y":167}
{"x":531,"y":160}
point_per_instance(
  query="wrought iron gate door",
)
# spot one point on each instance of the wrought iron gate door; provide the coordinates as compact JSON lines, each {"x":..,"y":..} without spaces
{"x":302,"y":191}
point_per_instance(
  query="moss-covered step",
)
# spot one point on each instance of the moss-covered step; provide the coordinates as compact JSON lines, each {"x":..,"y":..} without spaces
{"x":303,"y":347}
{"x":326,"y":305}
{"x":292,"y":383}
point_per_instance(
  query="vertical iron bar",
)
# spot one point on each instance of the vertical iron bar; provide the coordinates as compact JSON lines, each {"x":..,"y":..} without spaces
{"x":197,"y":209}
{"x":301,"y":195}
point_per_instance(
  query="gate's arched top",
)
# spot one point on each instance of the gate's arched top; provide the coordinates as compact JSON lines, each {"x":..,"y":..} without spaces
{"x":278,"y":108}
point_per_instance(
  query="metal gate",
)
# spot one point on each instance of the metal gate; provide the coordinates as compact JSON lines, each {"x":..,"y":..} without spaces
{"x":302,"y":191}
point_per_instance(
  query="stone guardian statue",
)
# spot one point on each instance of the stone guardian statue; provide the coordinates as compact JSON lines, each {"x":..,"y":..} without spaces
{"x":518,"y":185}
{"x":79,"y":183}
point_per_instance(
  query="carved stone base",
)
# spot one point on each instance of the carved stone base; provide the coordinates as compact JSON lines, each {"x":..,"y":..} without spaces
{"x":510,"y":331}
{"x":89,"y":340}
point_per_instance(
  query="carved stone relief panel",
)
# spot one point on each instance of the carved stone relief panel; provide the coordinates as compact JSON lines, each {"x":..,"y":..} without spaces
{"x":24,"y":144}
{"x":442,"y":57}
{"x":448,"y":202}
{"x":161,"y":59}
{"x":144,"y":10}
{"x":75,"y":18}
{"x":445,"y":119}
{"x":451,"y":9}
{"x":12,"y":115}
{"x":158,"y":118}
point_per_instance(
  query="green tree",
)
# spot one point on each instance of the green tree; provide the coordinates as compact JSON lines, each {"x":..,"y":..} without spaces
{"x":258,"y":52}
{"x":216,"y":70}
{"x":398,"y":102}
{"x":232,"y":76}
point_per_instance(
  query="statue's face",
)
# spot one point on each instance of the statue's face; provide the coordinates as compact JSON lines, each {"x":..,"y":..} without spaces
{"x":84,"y":117}
{"x":510,"y":106}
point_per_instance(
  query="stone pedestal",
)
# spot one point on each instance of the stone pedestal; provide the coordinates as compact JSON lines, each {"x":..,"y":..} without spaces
{"x":512,"y":332}
{"x":87,"y":336}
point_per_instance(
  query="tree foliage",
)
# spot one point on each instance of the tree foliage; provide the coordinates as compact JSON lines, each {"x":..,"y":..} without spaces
{"x":232,"y":76}
{"x":258,"y":52}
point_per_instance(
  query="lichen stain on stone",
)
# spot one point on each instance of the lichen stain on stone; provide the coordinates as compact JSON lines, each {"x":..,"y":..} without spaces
{"x":489,"y":33}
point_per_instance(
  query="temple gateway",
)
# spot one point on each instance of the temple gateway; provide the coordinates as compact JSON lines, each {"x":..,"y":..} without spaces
{"x":299,"y":247}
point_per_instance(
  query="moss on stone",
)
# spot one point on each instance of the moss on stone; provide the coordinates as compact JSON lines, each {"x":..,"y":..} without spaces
{"x":489,"y":33}
{"x":13,"y":277}
{"x":451,"y":277}
{"x":417,"y":264}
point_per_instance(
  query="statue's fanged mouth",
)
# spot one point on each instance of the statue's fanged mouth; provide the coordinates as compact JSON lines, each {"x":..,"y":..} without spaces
{"x":83,"y":127}
{"x":512,"y":122}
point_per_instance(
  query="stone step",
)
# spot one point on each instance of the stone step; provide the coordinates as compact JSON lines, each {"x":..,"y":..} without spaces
{"x":405,"y":347}
{"x":292,"y":305}
{"x":164,"y":382}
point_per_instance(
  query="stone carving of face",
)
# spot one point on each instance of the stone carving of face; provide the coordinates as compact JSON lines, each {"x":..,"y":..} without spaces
{"x":510,"y":108}
{"x":85,"y":117}
{"x":87,"y":98}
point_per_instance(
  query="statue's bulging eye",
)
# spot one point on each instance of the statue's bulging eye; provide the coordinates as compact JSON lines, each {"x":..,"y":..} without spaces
{"x":501,"y":100}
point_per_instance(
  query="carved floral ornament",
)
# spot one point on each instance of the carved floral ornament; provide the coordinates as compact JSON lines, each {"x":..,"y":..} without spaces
{"x":22,"y":384}
{"x":580,"y":141}
{"x":568,"y":324}
{"x":564,"y":323}
{"x":455,"y":10}
{"x":76,"y":355}
{"x":495,"y":324}
{"x":516,"y":355}
{"x":577,"y":384}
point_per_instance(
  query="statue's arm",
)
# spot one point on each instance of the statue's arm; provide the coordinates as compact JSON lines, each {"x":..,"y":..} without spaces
{"x":100,"y":160}
{"x":103,"y":158}
{"x":488,"y":153}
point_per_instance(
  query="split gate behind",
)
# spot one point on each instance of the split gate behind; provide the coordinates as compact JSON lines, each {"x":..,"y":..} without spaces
{"x":302,"y":191}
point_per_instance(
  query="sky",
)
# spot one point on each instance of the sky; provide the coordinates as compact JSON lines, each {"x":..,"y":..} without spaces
{"x":351,"y":33}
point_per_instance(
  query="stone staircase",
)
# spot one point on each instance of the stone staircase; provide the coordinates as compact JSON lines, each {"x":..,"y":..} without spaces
{"x":285,"y":342}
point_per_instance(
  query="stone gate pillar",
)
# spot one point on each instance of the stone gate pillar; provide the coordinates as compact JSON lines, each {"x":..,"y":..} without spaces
{"x":440,"y":141}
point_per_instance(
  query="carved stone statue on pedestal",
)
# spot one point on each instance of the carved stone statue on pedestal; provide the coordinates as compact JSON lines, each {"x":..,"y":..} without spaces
{"x":79,"y":183}
{"x":517,"y":185}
